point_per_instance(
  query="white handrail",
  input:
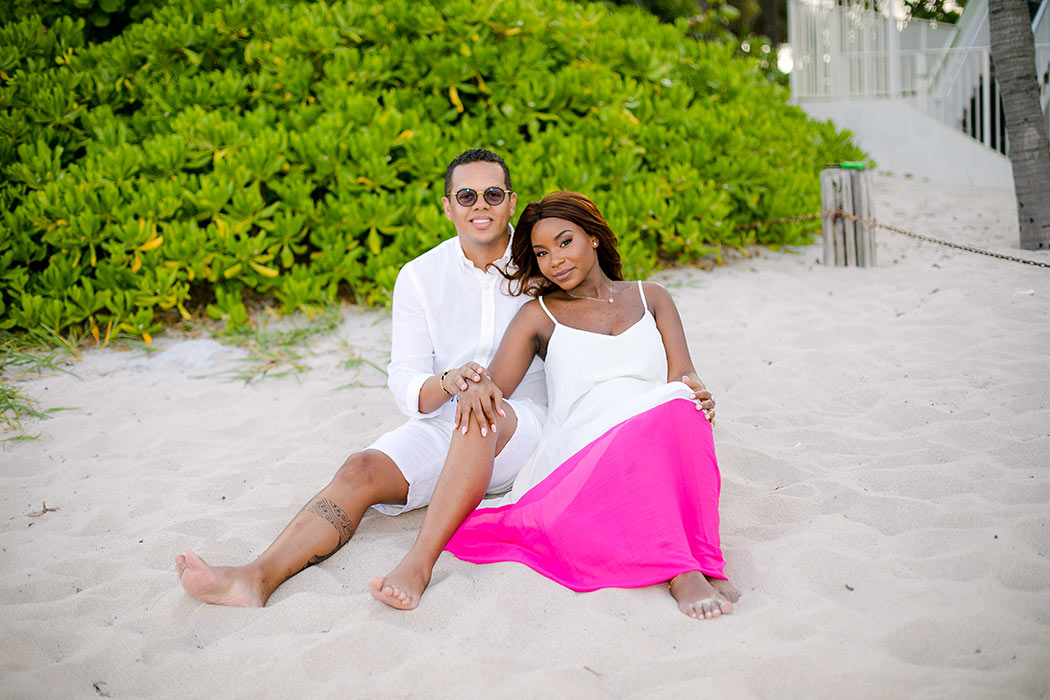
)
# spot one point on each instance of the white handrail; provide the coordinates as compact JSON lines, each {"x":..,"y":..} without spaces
{"x":857,"y":49}
{"x":1039,"y":25}
{"x":1041,"y":30}
{"x":958,"y":66}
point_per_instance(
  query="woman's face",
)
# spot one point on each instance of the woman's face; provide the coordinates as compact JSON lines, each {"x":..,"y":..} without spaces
{"x":565,"y":253}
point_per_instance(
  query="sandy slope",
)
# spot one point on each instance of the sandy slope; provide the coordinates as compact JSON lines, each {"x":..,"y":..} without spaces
{"x":884,"y":438}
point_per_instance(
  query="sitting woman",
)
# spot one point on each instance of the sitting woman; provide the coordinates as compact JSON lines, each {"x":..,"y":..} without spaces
{"x":623,"y":490}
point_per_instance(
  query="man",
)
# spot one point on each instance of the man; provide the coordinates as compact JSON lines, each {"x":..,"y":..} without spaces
{"x":451,"y":306}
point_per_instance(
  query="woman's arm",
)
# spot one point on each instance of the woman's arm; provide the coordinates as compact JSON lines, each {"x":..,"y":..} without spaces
{"x":521,"y":342}
{"x":679,"y":363}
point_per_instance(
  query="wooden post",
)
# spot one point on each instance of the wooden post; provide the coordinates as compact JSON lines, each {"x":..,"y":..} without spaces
{"x":830,"y":198}
{"x":862,"y":208}
{"x":847,"y":242}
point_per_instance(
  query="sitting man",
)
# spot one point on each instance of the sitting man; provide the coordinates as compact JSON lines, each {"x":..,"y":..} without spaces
{"x":451,"y":306}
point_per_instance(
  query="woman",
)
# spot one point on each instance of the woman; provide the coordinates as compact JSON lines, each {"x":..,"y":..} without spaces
{"x":623,"y":491}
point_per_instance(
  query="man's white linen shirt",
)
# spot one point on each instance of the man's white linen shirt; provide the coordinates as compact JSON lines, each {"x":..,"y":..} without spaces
{"x":446,"y":313}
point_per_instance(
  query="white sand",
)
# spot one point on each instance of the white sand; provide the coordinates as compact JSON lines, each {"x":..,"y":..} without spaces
{"x":884,"y":438}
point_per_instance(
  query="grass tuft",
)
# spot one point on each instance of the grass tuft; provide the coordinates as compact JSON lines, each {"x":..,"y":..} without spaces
{"x":352,"y":362}
{"x":277,"y":352}
{"x":19,"y":357}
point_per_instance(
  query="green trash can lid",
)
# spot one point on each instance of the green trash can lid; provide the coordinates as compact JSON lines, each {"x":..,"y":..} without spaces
{"x":852,"y":165}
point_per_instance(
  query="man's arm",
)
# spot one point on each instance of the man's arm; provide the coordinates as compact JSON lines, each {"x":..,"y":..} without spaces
{"x":411,"y":373}
{"x":439,"y":388}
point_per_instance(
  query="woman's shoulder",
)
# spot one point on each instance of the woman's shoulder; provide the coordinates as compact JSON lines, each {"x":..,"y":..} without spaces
{"x":653,"y":291}
{"x":646,"y":284}
{"x":649,"y":285}
{"x":530,"y":307}
{"x":531,"y":311}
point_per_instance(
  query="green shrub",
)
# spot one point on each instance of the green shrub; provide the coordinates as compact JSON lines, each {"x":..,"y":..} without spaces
{"x":667,"y":10}
{"x":104,"y":18}
{"x":219,"y":152}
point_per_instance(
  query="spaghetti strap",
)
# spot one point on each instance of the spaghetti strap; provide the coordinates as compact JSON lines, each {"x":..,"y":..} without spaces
{"x":547,"y":311}
{"x":645,"y":304}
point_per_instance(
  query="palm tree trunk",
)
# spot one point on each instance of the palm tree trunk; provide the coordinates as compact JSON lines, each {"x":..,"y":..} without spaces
{"x":1013,"y":51}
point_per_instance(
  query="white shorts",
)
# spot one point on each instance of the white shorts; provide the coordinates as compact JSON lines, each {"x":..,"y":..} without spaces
{"x":419,"y":448}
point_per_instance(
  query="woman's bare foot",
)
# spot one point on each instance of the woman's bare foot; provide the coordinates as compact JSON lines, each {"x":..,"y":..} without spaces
{"x":724,"y":588}
{"x":697,"y":597}
{"x":219,"y":585}
{"x":403,"y":587}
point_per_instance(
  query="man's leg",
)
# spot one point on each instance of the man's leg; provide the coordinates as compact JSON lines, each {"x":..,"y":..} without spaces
{"x":324,"y":525}
{"x":460,"y":488}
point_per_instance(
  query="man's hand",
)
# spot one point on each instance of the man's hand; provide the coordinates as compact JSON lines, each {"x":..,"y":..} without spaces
{"x":704,"y":401}
{"x":455,"y":381}
{"x":479,"y":404}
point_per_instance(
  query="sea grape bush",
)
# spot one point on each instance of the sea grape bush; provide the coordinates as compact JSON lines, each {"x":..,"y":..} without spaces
{"x":103,"y":18}
{"x":226,"y":150}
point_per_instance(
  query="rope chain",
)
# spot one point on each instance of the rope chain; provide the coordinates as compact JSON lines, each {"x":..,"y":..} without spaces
{"x":894,"y":229}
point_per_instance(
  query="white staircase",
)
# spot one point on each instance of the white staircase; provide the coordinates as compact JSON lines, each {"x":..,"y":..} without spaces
{"x":847,"y":52}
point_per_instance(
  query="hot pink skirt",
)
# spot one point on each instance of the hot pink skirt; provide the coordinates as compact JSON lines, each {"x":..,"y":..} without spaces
{"x":637,"y":506}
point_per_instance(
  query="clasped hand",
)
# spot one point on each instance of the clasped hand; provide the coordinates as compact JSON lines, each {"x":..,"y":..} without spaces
{"x":479,"y":400}
{"x":704,"y":401}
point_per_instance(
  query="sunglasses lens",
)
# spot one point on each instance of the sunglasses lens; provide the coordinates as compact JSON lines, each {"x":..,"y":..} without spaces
{"x":466,"y":197}
{"x":494,"y":195}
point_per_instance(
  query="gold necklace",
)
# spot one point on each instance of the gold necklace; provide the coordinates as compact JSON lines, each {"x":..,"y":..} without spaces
{"x":574,"y":296}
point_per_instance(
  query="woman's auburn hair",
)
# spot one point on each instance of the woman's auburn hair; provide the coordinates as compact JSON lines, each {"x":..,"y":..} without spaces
{"x":570,"y":206}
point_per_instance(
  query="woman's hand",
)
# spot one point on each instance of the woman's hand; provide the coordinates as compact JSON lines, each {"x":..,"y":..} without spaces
{"x":704,"y":401}
{"x":479,"y":404}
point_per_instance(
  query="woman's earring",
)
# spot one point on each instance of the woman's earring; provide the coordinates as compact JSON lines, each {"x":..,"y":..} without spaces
{"x":595,"y":244}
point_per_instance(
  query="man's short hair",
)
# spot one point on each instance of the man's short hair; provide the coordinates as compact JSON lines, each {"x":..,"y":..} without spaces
{"x":476,"y":155}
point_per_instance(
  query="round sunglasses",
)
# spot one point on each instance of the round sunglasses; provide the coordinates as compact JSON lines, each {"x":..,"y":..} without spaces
{"x":493,"y":196}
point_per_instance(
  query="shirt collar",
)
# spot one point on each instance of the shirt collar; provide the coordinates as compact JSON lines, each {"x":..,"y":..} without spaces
{"x":505,"y":258}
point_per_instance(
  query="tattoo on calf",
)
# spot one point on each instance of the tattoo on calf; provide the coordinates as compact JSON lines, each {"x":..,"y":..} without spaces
{"x":327,"y":509}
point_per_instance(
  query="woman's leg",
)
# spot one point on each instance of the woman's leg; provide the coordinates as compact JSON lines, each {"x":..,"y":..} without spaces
{"x":463,"y":482}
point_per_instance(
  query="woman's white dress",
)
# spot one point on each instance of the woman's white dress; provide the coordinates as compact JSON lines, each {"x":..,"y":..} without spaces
{"x":623,"y":489}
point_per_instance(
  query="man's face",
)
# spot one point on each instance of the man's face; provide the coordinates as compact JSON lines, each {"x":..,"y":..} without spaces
{"x":481,"y":223}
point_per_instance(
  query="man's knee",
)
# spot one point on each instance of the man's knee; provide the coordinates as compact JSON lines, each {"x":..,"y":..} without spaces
{"x":371,"y":473}
{"x":507,"y":425}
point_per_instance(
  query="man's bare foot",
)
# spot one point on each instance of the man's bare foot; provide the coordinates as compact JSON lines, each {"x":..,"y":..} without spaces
{"x":697,"y":597}
{"x":219,"y":585}
{"x":403,"y":587}
{"x":724,"y":588}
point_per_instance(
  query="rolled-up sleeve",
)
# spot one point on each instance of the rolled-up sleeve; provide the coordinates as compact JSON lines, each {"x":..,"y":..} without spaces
{"x":412,"y":348}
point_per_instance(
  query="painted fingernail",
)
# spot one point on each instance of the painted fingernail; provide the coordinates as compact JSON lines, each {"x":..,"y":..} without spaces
{"x":463,"y":431}
{"x":484,"y":432}
{"x":493,"y":428}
